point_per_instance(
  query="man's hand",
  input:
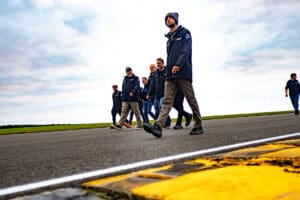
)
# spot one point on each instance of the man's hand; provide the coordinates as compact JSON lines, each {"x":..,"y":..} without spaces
{"x":147,"y":97}
{"x":175,"y":69}
{"x":131,"y":94}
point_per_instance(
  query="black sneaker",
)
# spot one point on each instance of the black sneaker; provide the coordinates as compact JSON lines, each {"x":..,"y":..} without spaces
{"x":297,"y":112}
{"x":177,"y":126}
{"x":155,"y":130}
{"x":197,"y":131}
{"x":188,"y":120}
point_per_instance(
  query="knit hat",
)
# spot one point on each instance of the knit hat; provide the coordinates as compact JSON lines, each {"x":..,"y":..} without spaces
{"x":128,"y":69}
{"x":174,"y":15}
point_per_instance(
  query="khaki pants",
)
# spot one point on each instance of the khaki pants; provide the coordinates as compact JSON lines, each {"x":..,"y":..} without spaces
{"x":126,"y":106}
{"x":171,"y":87}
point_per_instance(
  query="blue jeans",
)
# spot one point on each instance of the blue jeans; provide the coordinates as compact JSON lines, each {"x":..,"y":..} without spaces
{"x":147,"y":105}
{"x":295,"y":101}
{"x":157,"y":106}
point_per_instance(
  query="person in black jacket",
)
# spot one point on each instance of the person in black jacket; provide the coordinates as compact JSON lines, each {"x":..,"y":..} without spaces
{"x":150,"y":80}
{"x":130,"y":97}
{"x":178,"y":76}
{"x":156,"y":89}
{"x":117,"y":103}
{"x":293,"y":87}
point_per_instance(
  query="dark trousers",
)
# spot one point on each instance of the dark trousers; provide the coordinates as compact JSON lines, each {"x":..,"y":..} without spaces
{"x":114,"y":112}
{"x":178,"y":105}
{"x":171,"y":88}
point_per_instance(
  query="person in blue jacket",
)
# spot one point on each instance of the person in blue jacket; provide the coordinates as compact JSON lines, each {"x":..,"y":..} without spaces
{"x":130,"y":97}
{"x":147,"y":103}
{"x":178,"y":76}
{"x":293,"y":87}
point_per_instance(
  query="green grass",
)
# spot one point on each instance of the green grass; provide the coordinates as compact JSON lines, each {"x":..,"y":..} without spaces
{"x":245,"y":115}
{"x":17,"y":129}
{"x":47,"y":128}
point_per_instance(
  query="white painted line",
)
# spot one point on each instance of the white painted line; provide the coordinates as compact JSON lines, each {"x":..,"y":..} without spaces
{"x":132,"y":166}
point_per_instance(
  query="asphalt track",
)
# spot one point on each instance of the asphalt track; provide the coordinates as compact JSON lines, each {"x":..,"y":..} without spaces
{"x":34,"y":157}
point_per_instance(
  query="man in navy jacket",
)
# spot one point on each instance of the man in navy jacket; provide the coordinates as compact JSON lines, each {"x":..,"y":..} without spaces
{"x":130,"y":97}
{"x":294,"y":90}
{"x":178,"y":75}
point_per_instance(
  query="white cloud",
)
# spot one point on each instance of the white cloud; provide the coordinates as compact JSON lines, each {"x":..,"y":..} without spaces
{"x":60,"y":58}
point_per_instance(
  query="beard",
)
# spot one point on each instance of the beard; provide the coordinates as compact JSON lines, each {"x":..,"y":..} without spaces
{"x":171,"y":25}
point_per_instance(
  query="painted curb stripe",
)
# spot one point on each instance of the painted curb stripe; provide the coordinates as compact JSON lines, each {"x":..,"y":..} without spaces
{"x":123,"y":168}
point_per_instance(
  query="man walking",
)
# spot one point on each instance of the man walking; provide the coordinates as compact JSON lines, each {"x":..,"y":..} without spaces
{"x":157,"y":89}
{"x":147,"y":104}
{"x":117,"y":106}
{"x":130,"y":95}
{"x":117,"y":103}
{"x":178,"y":75}
{"x":293,"y":87}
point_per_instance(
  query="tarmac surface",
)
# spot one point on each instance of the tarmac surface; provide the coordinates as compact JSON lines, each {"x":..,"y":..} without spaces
{"x":268,"y":171}
{"x":28,"y":158}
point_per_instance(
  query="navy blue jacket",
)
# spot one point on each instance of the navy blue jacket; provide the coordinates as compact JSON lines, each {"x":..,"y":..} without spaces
{"x":179,"y":51}
{"x":117,"y":100}
{"x":130,"y":84}
{"x":145,"y":92}
{"x":150,"y":80}
{"x":293,"y":86}
{"x":157,"y":85}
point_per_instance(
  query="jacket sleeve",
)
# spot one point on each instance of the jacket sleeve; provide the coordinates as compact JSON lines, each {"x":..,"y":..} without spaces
{"x":185,"y":51}
{"x":287,"y":85}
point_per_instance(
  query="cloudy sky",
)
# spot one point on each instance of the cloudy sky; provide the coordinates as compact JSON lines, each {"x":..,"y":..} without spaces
{"x":59,"y":58}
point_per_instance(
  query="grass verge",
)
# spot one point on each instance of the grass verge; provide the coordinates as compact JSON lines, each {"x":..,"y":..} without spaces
{"x":17,"y":129}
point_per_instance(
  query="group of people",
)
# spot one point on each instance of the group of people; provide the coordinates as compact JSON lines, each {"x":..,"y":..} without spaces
{"x":140,"y":100}
{"x":167,"y":86}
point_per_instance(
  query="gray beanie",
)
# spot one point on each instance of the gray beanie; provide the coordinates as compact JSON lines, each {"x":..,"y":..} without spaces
{"x":174,"y":15}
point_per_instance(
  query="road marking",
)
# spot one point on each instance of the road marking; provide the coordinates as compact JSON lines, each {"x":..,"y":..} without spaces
{"x":132,"y":166}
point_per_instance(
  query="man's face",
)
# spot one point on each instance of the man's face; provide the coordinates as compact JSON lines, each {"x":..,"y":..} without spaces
{"x":170,"y":22}
{"x":144,"y":81}
{"x":152,"y":68}
{"x":129,"y":72}
{"x":160,"y":64}
{"x":115,"y":88}
{"x":294,"y":77}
